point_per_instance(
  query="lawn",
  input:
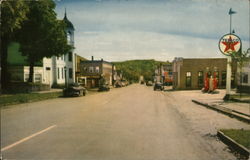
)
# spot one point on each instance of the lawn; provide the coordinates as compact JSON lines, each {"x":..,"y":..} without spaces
{"x":239,"y":135}
{"x":26,"y":97}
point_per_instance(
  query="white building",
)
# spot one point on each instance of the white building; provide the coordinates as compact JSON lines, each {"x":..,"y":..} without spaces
{"x":52,"y":71}
{"x":61,"y":70}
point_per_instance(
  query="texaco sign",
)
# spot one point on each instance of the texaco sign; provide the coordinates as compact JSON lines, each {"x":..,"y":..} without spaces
{"x":229,"y":43}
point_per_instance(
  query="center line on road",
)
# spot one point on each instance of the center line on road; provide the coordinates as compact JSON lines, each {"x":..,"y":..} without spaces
{"x":27,"y":138}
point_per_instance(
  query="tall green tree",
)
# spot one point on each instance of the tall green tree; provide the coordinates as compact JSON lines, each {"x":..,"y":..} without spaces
{"x":42,"y":35}
{"x":13,"y":13}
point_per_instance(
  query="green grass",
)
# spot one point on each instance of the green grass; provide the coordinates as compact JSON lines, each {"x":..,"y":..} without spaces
{"x":26,"y":97}
{"x":240,"y":96}
{"x":239,"y":135}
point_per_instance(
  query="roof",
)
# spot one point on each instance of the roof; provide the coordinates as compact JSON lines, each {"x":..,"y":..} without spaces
{"x":68,"y":23}
{"x":96,"y":61}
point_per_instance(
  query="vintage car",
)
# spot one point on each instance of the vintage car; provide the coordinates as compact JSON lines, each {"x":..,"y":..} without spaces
{"x":149,"y":83}
{"x":118,"y":84}
{"x":158,"y":86}
{"x":104,"y":87}
{"x":74,"y":90}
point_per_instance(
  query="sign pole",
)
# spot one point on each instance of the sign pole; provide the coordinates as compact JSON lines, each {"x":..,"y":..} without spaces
{"x":229,"y":74}
{"x":229,"y":63}
{"x":229,"y":67}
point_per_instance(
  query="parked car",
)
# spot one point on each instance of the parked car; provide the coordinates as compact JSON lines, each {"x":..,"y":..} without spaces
{"x":118,"y":84}
{"x":74,"y":90}
{"x":124,"y":83}
{"x":104,"y":87}
{"x":149,"y":83}
{"x":158,"y":86}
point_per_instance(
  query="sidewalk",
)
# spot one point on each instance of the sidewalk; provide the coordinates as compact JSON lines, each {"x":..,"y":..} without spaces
{"x":215,"y":101}
{"x":50,"y":91}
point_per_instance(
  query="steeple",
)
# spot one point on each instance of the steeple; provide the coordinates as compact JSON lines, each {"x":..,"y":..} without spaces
{"x":65,"y":13}
{"x":68,"y":23}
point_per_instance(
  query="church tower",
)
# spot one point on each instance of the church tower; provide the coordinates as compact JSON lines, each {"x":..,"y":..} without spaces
{"x":69,"y":29}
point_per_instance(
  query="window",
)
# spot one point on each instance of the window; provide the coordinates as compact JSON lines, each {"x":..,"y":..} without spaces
{"x":97,"y":69}
{"x":200,"y":79}
{"x":216,"y":75}
{"x":58,"y":73}
{"x":68,"y":37}
{"x":70,"y":73}
{"x":244,"y":78}
{"x":91,"y":69}
{"x":62,"y":73}
{"x":26,"y":77}
{"x":188,"y":79}
{"x":223,"y":78}
{"x":38,"y":77}
{"x":70,"y":56}
{"x":85,"y":69}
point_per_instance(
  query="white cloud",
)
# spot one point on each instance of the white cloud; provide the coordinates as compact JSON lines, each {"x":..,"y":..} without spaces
{"x":140,"y":29}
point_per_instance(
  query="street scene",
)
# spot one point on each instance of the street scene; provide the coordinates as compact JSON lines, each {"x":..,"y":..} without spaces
{"x":127,"y":123}
{"x":125,"y":80}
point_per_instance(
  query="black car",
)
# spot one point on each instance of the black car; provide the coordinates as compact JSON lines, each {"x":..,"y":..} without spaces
{"x":74,"y":90}
{"x":104,"y":87}
{"x":158,"y":85}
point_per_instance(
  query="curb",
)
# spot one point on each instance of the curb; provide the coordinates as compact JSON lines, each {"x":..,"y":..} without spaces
{"x":226,"y":111}
{"x":240,"y":101}
{"x":233,"y":144}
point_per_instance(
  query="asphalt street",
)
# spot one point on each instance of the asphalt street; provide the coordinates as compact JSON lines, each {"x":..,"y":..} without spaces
{"x":130,"y":123}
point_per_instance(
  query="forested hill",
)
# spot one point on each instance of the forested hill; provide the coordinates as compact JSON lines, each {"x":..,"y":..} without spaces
{"x":132,"y":69}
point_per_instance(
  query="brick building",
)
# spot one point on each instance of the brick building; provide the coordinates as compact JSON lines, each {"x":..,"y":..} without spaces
{"x":190,"y":73}
{"x":92,"y":71}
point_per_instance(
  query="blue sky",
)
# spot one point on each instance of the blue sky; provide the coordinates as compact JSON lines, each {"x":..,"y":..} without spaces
{"x":118,"y":30}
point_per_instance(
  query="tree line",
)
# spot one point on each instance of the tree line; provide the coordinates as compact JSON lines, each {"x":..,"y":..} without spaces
{"x":133,"y":69}
{"x":34,"y":25}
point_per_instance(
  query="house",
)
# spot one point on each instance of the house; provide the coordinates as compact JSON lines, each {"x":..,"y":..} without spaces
{"x":189,"y":73}
{"x":93,"y":71}
{"x":51,"y":71}
{"x":244,"y":80}
{"x":18,"y":67}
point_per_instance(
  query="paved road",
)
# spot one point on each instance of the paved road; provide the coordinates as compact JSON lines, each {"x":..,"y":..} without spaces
{"x":131,"y":123}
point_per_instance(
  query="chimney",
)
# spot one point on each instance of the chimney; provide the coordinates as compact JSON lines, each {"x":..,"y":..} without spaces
{"x":92,"y":58}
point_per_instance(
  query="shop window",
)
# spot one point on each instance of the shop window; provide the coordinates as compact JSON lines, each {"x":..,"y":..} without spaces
{"x":200,"y":79}
{"x":223,"y":78}
{"x":244,"y":78}
{"x":188,"y":79}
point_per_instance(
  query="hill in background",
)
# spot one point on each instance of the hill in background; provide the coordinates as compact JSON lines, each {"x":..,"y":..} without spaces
{"x":133,"y":69}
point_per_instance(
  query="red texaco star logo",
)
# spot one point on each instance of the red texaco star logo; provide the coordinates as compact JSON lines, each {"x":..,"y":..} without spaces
{"x":229,"y":44}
